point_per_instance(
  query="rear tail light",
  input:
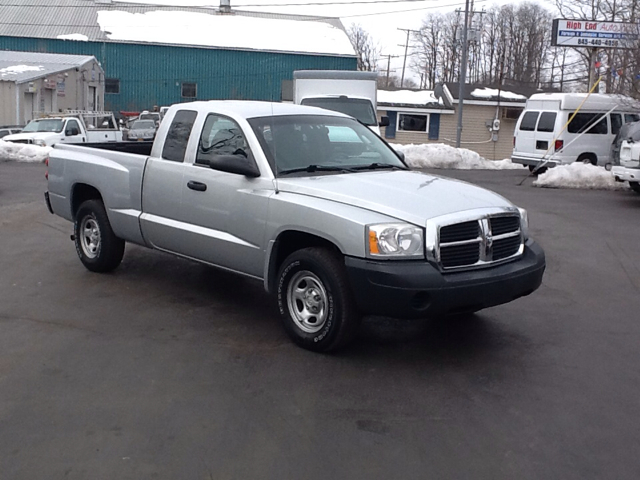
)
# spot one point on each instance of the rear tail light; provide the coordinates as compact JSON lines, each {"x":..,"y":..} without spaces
{"x":514,"y":141}
{"x":46,"y":173}
{"x":558,"y":145}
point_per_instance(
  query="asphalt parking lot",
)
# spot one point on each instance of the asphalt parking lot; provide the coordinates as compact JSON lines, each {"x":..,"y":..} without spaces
{"x":166,"y":369}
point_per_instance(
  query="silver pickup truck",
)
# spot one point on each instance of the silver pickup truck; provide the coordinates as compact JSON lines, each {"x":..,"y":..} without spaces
{"x":309,"y":202}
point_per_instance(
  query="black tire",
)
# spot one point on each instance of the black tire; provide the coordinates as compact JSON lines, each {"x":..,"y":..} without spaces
{"x":323,"y":288}
{"x":537,"y":171}
{"x":588,"y":158}
{"x":96,"y":244}
{"x":635,"y":186}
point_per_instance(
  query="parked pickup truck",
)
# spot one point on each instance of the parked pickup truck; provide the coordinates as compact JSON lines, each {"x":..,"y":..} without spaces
{"x":308,"y":201}
{"x":74,"y":126}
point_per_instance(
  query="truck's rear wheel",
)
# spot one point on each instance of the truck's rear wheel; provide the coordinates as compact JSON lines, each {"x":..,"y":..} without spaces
{"x":635,"y":186}
{"x":588,"y":158}
{"x":96,"y":244}
{"x":315,"y":301}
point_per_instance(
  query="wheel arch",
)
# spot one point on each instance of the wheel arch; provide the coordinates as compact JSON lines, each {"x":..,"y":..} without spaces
{"x":285,"y":244}
{"x":80,"y":193}
{"x":591,"y":155}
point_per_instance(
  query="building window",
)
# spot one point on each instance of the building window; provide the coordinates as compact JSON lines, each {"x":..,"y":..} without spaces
{"x":413,"y":123}
{"x":189,"y":90}
{"x":511,"y":113}
{"x":111,"y":85}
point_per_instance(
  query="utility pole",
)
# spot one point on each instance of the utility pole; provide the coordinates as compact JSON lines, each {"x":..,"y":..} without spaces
{"x":406,"y":49}
{"x":389,"y":57}
{"x":463,"y":72}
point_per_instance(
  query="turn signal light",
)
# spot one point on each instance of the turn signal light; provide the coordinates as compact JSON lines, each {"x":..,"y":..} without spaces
{"x":558,"y":145}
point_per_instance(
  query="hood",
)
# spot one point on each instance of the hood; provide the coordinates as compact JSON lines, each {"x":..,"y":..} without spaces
{"x":411,"y":196}
{"x":30,"y":136}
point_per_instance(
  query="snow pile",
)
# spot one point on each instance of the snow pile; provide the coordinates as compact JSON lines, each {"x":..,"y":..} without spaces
{"x":439,"y":155}
{"x":407,"y":97}
{"x":191,"y":28}
{"x":21,"y":152}
{"x":578,"y":175}
{"x":493,"y":92}
{"x":74,"y":36}
{"x":16,"y":69}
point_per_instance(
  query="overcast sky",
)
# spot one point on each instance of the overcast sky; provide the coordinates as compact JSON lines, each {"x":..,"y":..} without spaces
{"x":380,"y":20}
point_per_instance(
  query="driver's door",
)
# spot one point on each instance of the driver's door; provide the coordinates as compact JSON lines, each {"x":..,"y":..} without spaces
{"x":72,"y":132}
{"x":227,"y":211}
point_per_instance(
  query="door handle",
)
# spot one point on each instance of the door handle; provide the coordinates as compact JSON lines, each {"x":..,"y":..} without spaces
{"x":200,"y":187}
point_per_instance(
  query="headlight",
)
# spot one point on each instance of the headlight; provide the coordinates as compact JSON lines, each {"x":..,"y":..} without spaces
{"x":40,"y":143}
{"x":397,"y":240}
{"x":524,"y":223}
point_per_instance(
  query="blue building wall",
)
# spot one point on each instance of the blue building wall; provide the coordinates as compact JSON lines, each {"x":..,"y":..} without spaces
{"x":152,"y":74}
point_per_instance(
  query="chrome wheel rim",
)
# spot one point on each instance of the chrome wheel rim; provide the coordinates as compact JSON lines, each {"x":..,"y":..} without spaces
{"x":307,"y":301}
{"x":90,"y":236}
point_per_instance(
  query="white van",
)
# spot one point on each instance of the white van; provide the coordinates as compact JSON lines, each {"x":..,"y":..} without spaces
{"x":540,"y":135}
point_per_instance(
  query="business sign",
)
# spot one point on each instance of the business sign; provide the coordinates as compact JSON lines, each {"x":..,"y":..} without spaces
{"x":587,"y":33}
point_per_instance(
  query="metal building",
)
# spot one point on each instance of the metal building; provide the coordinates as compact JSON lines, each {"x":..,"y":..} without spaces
{"x":158,"y":55}
{"x":34,"y":84}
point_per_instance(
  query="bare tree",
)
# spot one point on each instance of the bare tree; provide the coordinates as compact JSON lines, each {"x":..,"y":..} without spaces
{"x":366,"y":49}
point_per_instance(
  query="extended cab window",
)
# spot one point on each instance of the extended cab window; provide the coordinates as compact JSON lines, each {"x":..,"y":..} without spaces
{"x":529,"y":120}
{"x":589,"y":123}
{"x":175,"y":145}
{"x":220,"y":136}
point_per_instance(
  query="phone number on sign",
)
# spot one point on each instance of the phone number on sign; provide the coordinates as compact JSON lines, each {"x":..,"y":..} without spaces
{"x":598,"y":43}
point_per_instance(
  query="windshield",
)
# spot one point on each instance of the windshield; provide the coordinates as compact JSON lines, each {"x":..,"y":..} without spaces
{"x":150,"y":116}
{"x":44,"y":126}
{"x":143,"y":125}
{"x":359,"y":108}
{"x":318,"y":143}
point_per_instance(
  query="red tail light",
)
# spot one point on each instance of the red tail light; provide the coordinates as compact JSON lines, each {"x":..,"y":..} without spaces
{"x":46,"y":173}
{"x":558,"y":145}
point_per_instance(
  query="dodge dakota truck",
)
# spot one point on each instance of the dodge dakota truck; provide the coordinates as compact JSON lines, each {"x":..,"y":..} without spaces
{"x":308,"y":201}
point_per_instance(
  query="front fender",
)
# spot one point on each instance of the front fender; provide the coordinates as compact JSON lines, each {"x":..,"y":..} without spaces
{"x":337,"y":223}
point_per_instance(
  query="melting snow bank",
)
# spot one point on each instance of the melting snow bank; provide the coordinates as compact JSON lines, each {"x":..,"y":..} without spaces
{"x":439,"y":155}
{"x":19,"y":152}
{"x":579,"y":175}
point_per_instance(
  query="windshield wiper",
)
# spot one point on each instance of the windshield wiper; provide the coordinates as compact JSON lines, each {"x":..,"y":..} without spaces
{"x":316,"y":168}
{"x":378,"y":166}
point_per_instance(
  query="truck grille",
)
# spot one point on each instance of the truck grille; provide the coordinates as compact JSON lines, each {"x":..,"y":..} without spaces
{"x":28,"y":141}
{"x":481,"y":242}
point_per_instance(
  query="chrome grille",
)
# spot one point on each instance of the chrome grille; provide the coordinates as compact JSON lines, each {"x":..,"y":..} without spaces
{"x":502,"y":225}
{"x":484,"y":241}
{"x":21,"y":141}
{"x":460,"y":231}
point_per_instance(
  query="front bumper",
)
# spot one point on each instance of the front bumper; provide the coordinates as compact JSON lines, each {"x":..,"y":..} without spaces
{"x":418,"y":289}
{"x":624,"y":174}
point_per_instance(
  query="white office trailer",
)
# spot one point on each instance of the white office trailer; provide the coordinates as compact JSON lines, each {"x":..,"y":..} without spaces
{"x":36,"y":84}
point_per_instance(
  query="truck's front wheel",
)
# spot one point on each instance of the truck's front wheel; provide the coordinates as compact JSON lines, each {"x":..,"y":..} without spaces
{"x":315,"y":301}
{"x":97,"y":246}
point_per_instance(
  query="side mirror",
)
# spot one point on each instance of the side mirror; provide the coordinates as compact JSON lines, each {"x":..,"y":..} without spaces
{"x":384,"y":121}
{"x":239,"y":164}
{"x":400,"y":154}
{"x":72,"y":132}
